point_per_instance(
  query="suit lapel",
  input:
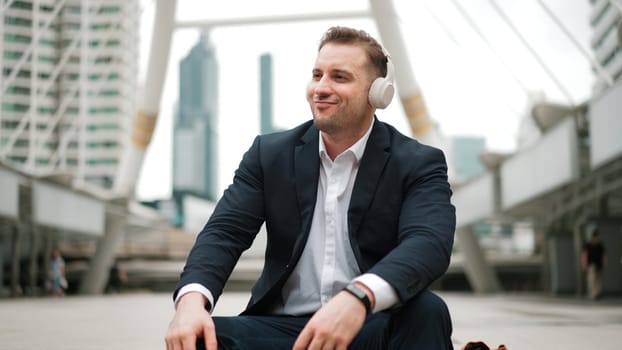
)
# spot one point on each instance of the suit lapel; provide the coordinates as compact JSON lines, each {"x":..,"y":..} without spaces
{"x":307,"y":172}
{"x":377,"y":152}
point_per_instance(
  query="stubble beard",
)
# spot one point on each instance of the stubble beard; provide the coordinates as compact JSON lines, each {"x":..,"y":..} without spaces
{"x":326,"y":123}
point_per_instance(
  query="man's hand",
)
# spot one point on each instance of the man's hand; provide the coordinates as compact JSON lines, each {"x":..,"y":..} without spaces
{"x":333,"y":326}
{"x":191,"y":321}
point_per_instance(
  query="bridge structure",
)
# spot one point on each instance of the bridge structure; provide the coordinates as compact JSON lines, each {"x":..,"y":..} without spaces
{"x":565,"y":183}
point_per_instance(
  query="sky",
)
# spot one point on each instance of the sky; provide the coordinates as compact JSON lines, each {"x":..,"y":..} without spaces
{"x":469,"y":88}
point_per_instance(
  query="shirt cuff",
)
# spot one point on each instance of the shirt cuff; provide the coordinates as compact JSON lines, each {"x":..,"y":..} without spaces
{"x":384,"y":295}
{"x":196,"y":287}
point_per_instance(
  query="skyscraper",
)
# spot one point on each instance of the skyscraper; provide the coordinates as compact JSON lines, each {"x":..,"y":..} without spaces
{"x":195,"y":131}
{"x":466,"y":151}
{"x":68,"y":86}
{"x":265,"y":94}
{"x":606,"y":41}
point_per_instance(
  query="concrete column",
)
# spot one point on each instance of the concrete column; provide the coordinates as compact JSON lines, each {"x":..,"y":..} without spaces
{"x":94,"y":282}
{"x":48,"y":246}
{"x":480,"y":274}
{"x":577,"y":237}
{"x":33,"y":261}
{"x":3,"y":227}
{"x":15,"y":255}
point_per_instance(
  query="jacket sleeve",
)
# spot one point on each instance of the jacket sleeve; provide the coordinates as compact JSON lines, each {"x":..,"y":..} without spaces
{"x":425,"y":229}
{"x":230,"y":230}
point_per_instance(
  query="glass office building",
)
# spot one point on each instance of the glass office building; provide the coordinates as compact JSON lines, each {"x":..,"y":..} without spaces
{"x":606,"y":22}
{"x":196,"y":124}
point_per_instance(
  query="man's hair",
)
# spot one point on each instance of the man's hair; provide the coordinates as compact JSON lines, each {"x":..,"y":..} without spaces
{"x":349,"y":36}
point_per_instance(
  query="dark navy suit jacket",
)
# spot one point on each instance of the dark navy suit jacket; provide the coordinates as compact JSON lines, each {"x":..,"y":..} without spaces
{"x":400,"y":219}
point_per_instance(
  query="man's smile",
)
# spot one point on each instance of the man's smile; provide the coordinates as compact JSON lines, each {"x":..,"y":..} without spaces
{"x":323,"y":104}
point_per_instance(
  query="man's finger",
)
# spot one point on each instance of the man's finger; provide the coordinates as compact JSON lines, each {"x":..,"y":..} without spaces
{"x":322,"y":344}
{"x":173,"y":344}
{"x":209,"y":338}
{"x":189,"y":343}
{"x":304,"y":338}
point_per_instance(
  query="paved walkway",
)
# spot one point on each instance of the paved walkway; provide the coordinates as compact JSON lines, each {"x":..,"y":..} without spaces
{"x":139,"y":320}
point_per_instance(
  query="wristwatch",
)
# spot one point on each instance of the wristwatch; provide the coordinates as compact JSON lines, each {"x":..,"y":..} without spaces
{"x":359,"y":294}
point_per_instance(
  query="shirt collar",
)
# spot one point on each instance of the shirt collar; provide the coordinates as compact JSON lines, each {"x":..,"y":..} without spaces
{"x":358,"y":148}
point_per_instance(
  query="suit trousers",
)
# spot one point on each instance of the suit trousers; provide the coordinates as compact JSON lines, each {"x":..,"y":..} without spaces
{"x":422,"y":323}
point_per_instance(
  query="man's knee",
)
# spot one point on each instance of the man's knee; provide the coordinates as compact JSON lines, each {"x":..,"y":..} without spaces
{"x":425,"y":311}
{"x":422,"y":323}
{"x":426,"y":304}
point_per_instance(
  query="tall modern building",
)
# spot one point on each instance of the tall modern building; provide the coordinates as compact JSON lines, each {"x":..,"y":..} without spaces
{"x":68,"y":86}
{"x":466,"y":151}
{"x":195,"y":136}
{"x":606,"y":22}
{"x":266,"y":124}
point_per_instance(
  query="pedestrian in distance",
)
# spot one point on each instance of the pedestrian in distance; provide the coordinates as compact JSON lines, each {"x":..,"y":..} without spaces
{"x":593,"y":259}
{"x":57,"y":274}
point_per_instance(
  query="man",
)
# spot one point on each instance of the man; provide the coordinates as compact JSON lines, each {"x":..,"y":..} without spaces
{"x":593,"y":259}
{"x":359,"y":224}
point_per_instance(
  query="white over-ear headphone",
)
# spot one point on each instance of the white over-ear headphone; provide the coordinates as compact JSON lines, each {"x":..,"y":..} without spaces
{"x":381,"y":90}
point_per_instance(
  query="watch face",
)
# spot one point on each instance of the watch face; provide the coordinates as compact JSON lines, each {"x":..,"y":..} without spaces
{"x":357,"y":291}
{"x":360,"y":294}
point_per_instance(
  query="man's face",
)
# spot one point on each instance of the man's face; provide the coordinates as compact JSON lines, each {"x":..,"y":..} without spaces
{"x":338,"y":90}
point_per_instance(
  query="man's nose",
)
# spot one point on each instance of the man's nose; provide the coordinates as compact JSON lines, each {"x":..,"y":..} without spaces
{"x":322,"y":86}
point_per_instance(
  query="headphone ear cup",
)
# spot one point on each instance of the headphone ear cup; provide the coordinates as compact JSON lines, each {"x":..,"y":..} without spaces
{"x":381,"y":93}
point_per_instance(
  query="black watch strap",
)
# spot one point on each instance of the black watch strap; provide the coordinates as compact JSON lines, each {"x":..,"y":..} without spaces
{"x":360,"y":295}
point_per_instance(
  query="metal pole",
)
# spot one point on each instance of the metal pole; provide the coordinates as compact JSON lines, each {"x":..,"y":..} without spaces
{"x":480,"y":274}
{"x":211,"y":23}
{"x":481,"y":35}
{"x":148,"y":108}
{"x":413,"y":103}
{"x":599,"y":68}
{"x":541,"y":62}
{"x":94,"y":282}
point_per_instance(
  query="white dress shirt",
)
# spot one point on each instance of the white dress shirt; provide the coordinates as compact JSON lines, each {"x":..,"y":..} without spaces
{"x":327,"y":263}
